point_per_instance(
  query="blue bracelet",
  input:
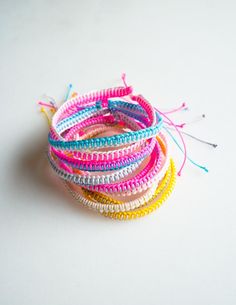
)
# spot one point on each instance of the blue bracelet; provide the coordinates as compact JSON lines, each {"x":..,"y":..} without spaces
{"x":116,"y":140}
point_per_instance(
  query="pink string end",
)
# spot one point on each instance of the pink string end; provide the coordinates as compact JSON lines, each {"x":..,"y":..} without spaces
{"x":177,"y":125}
{"x":46,"y":105}
{"x":182,"y":107}
{"x":123,"y":77}
{"x":185,"y":107}
{"x":181,"y":137}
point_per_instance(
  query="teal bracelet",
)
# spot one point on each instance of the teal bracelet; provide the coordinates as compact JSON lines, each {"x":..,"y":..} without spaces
{"x":116,"y":140}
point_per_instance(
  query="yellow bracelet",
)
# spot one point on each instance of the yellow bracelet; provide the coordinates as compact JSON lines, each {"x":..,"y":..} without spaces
{"x":103,"y":199}
{"x":162,"y":192}
{"x":142,"y":211}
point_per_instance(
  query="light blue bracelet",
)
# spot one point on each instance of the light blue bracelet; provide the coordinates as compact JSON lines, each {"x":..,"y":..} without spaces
{"x":116,"y":140}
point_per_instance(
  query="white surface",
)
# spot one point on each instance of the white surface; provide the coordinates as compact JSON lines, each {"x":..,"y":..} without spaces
{"x":51,"y":250}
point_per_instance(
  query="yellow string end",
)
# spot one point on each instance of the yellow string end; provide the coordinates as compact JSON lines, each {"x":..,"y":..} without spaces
{"x":74,"y":94}
{"x":42,"y":109}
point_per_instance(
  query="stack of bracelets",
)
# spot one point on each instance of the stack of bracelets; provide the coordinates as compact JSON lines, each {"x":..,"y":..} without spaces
{"x":109,"y":148}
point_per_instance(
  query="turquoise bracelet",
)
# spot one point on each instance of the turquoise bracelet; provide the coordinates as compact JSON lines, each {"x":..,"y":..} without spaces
{"x":116,"y":140}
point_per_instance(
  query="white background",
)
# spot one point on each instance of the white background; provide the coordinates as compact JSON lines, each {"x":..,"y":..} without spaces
{"x":53,"y":251}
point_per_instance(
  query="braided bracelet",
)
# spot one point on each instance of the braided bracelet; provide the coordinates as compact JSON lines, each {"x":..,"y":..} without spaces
{"x":109,"y":148}
{"x":124,"y":186}
{"x":116,"y":140}
{"x":136,"y":208}
{"x":103,"y":203}
{"x":83,"y":165}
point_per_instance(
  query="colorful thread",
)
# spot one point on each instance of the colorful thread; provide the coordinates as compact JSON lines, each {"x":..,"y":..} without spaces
{"x":110,"y":144}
